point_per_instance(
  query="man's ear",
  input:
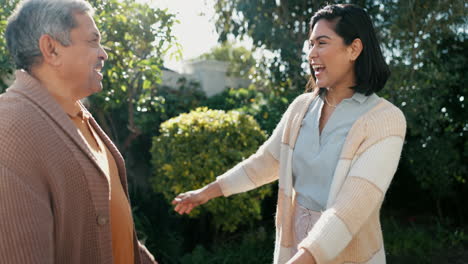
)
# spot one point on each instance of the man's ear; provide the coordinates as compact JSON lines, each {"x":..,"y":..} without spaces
{"x":49,"y":48}
{"x":355,"y":49}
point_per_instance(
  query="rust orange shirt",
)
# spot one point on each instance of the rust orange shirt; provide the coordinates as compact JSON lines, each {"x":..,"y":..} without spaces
{"x":120,"y":211}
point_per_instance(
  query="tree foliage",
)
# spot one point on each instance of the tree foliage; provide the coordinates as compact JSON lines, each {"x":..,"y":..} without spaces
{"x":428,"y":50}
{"x":279,"y":26}
{"x":240,"y":59}
{"x":6,"y":65}
{"x":138,"y":36}
{"x":425,"y":45}
{"x":267,"y":107}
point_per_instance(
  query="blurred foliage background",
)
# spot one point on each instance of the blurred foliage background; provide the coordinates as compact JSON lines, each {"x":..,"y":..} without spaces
{"x":424,"y":215}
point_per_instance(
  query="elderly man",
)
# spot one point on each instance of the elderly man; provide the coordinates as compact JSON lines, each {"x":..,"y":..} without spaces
{"x":63,"y":187}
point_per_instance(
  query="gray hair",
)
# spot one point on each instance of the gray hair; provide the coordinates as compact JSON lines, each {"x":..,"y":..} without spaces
{"x":34,"y":18}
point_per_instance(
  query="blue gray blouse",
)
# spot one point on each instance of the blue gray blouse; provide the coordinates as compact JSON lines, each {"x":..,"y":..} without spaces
{"x":315,"y":155}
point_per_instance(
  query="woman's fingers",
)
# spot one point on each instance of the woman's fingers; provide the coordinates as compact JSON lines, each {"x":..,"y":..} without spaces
{"x":178,"y":208}
{"x":181,"y":198}
{"x":190,"y":207}
{"x":186,"y":202}
{"x":183,"y":205}
{"x":185,"y":208}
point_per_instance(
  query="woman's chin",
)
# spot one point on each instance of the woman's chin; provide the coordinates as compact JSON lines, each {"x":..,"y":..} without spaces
{"x":320,"y":83}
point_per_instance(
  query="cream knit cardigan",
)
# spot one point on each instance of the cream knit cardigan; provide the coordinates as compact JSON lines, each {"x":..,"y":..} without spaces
{"x":348,"y":231}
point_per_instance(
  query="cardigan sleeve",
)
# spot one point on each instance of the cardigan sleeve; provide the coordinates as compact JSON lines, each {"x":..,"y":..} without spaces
{"x":26,"y":226}
{"x":363,"y":191}
{"x":257,"y":170}
{"x":263,"y":166}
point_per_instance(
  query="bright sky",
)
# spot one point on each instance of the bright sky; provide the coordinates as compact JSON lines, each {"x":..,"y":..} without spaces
{"x":196,"y":32}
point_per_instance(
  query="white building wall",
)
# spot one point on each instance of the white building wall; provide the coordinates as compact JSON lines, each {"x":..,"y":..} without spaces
{"x":211,"y":75}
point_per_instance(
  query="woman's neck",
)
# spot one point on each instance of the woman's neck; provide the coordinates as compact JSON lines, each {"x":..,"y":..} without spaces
{"x":335,"y":96}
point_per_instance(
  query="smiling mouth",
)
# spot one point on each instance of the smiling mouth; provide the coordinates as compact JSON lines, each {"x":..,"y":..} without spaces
{"x":318,"y":68}
{"x":98,"y":71}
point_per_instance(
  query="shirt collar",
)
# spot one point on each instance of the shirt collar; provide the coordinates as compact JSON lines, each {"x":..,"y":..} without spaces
{"x":359,"y":97}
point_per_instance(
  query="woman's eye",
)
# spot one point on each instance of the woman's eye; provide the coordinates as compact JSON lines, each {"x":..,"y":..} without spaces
{"x":320,"y":43}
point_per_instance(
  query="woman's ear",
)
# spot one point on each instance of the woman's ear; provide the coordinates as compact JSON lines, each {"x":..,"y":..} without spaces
{"x":355,"y":49}
{"x":49,"y":47}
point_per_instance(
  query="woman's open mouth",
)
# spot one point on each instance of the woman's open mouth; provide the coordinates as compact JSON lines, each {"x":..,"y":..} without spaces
{"x":318,"y":68}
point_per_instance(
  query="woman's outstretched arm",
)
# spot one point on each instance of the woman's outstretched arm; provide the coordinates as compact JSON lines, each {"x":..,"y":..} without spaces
{"x":185,"y":202}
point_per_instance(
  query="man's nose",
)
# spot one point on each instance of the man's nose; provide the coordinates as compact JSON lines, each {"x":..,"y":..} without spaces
{"x":102,"y":53}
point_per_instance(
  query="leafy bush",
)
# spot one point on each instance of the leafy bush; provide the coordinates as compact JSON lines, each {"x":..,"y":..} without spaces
{"x":266,"y":107}
{"x":194,"y":148}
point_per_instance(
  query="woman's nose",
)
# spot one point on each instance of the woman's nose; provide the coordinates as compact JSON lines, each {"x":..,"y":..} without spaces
{"x":312,"y":52}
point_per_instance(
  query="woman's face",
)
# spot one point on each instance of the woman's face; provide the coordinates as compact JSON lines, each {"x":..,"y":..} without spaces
{"x":331,"y":60}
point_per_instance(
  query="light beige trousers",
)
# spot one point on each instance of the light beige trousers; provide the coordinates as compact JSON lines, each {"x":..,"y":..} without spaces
{"x":304,"y":220}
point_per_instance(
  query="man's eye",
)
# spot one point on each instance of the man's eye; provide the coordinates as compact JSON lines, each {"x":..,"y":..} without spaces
{"x":94,"y":43}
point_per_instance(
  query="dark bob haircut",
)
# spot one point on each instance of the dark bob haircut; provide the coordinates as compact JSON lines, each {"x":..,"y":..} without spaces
{"x":352,"y":22}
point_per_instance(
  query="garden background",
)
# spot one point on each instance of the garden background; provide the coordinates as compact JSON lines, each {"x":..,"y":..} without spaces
{"x":174,"y":139}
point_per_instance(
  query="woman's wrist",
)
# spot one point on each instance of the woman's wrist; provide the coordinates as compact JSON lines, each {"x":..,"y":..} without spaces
{"x":212,"y":190}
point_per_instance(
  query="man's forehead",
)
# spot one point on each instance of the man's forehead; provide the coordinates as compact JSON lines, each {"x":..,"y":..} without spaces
{"x":86,"y":23}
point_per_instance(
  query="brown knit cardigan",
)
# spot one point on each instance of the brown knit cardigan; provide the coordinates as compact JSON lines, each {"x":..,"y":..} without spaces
{"x":54,"y":199}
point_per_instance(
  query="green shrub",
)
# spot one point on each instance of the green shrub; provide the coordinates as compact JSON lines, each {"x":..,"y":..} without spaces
{"x":192,"y":149}
{"x":266,"y":107}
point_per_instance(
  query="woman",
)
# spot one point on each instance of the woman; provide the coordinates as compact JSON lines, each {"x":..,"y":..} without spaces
{"x":334,"y":151}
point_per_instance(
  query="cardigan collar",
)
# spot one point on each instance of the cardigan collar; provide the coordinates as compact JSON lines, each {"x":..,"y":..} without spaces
{"x":34,"y":91}
{"x":27,"y":81}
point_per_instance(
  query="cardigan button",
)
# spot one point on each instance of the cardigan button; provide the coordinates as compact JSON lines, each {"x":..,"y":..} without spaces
{"x":102,"y":220}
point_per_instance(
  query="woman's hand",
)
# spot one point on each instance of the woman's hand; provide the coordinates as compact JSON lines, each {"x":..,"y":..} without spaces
{"x":185,"y":202}
{"x":302,"y":257}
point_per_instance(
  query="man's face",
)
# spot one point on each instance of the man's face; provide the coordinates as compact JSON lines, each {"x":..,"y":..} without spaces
{"x":83,"y":60}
